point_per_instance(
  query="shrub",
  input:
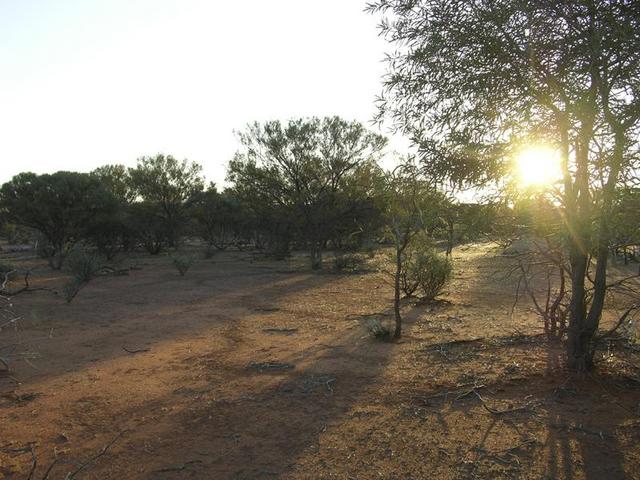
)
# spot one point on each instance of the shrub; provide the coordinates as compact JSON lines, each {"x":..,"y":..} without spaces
{"x":351,"y":262}
{"x":183,"y":263}
{"x":378,"y":330}
{"x":430,"y":271}
{"x":84,"y":267}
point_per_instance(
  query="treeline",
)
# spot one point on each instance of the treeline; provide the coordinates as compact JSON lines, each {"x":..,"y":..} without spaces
{"x":309,"y":184}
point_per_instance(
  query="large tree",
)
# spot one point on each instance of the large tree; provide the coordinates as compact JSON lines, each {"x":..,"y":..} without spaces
{"x":62,"y":206}
{"x":169,"y":185}
{"x":471,"y":79}
{"x":302,"y":167}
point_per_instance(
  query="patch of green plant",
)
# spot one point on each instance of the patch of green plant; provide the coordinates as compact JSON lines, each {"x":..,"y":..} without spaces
{"x":83,"y":266}
{"x":430,"y":271}
{"x":378,"y":330}
{"x":183,"y":263}
{"x":348,"y":262}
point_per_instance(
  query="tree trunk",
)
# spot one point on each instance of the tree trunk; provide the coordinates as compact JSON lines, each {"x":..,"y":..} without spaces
{"x":396,"y":294}
{"x":450,"y":225}
{"x":316,"y":255}
{"x":56,"y":259}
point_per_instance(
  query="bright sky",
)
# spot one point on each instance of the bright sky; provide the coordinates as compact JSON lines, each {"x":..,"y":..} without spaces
{"x":89,"y":82}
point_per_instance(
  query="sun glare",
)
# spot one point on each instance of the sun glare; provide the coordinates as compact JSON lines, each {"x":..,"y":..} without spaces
{"x":538,"y":166}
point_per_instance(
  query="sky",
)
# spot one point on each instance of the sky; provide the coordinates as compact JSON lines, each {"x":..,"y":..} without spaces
{"x":84,"y":83}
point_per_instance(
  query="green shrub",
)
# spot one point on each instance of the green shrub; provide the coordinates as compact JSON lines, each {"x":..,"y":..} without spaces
{"x":71,"y":289}
{"x":82,"y":265}
{"x":183,"y":263}
{"x":430,"y":271}
{"x":348,"y":262}
{"x":378,"y":330}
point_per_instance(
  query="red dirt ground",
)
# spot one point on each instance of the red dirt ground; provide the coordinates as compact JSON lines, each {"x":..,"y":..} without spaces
{"x":192,"y":406}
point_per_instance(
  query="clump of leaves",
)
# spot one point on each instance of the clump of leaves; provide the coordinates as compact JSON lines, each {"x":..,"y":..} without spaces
{"x":429,"y":271}
{"x":377,"y":330}
{"x":182,"y":263}
{"x":348,"y":262}
{"x":83,"y":266}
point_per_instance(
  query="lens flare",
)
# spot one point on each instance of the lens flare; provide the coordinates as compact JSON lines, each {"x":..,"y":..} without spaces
{"x":538,"y":166}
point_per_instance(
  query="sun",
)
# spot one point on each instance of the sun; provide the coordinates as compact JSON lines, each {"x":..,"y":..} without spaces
{"x":537,"y":166}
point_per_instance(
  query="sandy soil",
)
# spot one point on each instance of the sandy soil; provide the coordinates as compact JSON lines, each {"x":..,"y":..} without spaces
{"x":198,"y":398}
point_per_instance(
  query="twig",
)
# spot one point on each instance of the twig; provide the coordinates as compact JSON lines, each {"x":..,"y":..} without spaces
{"x":620,"y":321}
{"x":493,"y":411}
{"x":102,"y":452}
{"x":177,"y":468}
{"x":48,"y":472}
{"x":139,"y":350}
{"x":34,"y":464}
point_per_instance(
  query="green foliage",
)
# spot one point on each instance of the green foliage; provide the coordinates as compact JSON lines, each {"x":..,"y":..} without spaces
{"x":15,"y":234}
{"x":61,"y":206}
{"x":301,"y":177}
{"x":83,"y":266}
{"x":430,"y":271}
{"x":378,"y":330}
{"x":182,"y":263}
{"x":349,"y":262}
{"x":423,"y":270}
{"x":145,"y":220}
{"x":117,"y":180}
{"x":169,"y":186}
{"x":220,"y":217}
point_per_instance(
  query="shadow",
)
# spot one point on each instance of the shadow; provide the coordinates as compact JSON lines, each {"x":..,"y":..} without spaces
{"x":584,"y":416}
{"x":148,"y":307}
{"x":214,"y":414}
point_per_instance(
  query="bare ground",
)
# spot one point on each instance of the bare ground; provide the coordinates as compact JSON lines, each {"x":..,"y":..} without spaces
{"x":263,"y":370}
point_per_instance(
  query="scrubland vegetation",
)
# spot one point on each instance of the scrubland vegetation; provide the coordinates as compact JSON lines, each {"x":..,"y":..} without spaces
{"x":322,"y":317}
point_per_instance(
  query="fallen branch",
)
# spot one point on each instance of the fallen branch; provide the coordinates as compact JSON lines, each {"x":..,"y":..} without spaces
{"x":178,"y":468}
{"x":493,"y":411}
{"x":102,"y":452}
{"x":619,"y":323}
{"x":139,"y":350}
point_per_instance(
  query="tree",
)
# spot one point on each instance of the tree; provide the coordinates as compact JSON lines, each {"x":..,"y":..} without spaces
{"x":61,"y":206}
{"x":301,"y":167}
{"x":412,"y":205}
{"x":219,"y":216}
{"x":470,"y":80}
{"x":111,"y":231}
{"x":117,"y":180}
{"x":168,"y":185}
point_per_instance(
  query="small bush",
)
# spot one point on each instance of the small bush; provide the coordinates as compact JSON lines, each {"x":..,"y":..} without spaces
{"x":71,"y":289}
{"x":183,"y":263}
{"x":378,"y":330}
{"x":82,"y":265}
{"x":431,"y":271}
{"x":348,"y":262}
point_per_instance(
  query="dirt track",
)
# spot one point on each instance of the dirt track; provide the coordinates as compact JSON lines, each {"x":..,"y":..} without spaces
{"x":200,"y":400}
